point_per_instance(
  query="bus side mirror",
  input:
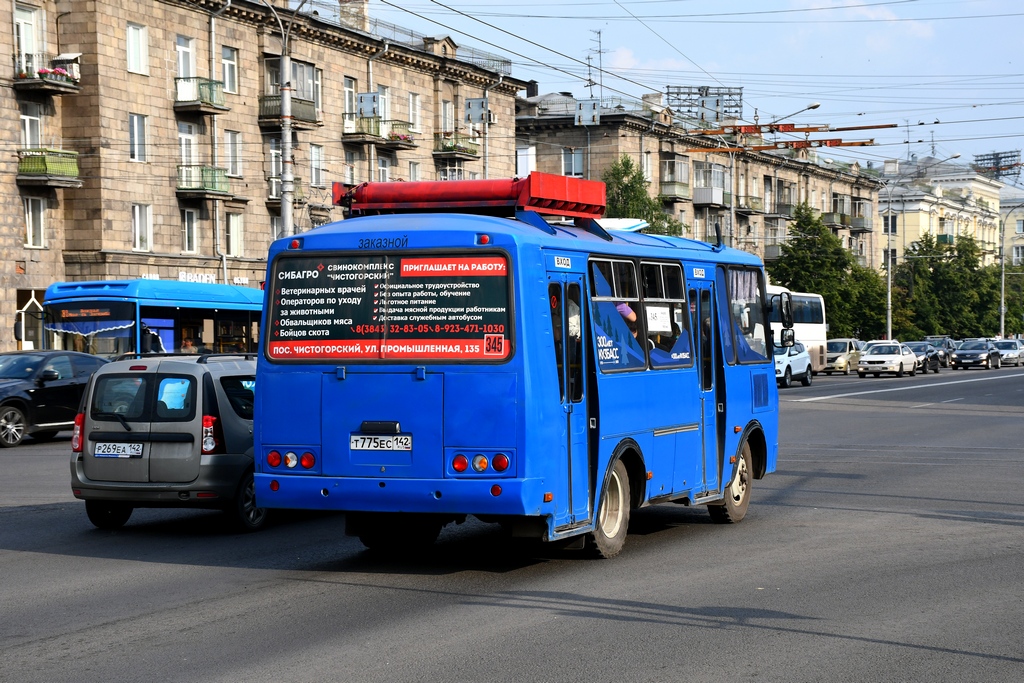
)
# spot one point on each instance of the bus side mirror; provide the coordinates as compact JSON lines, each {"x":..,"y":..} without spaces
{"x":787,"y":337}
{"x":786,"y":309}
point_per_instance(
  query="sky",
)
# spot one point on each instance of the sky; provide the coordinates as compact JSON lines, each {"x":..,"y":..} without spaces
{"x":949,"y":73}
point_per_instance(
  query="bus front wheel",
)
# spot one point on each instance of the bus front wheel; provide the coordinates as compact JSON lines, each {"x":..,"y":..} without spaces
{"x":733,"y":508}
{"x":613,"y":514}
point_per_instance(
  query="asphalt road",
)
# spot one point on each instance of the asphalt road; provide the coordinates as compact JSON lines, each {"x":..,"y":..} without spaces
{"x":888,"y":547}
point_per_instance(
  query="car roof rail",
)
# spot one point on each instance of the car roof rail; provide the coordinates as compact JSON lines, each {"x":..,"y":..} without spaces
{"x":204,"y":358}
{"x":135,"y":355}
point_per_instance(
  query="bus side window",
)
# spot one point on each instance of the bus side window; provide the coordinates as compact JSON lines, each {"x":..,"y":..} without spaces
{"x":748,"y":326}
{"x":616,"y":316}
{"x":665,"y":308}
{"x":555,"y":299}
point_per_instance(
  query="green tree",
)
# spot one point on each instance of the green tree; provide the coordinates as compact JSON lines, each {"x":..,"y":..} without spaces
{"x":628,"y":197}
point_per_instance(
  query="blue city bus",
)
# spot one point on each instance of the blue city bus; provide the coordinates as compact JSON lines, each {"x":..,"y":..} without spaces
{"x":112,"y":317}
{"x":449,"y":352}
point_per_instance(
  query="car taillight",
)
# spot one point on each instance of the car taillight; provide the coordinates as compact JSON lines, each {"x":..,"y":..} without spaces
{"x":76,"y":436}
{"x":213,"y":441}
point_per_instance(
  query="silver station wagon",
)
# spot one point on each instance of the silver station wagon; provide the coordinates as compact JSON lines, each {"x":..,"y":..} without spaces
{"x":168,"y":430}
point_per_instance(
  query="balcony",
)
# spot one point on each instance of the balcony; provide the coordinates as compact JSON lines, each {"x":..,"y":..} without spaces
{"x":711,"y":196}
{"x":860,"y":224}
{"x":202,"y":182}
{"x":772,"y":252}
{"x":836,"y":219}
{"x":945,"y":239}
{"x":397,"y":136}
{"x":672,"y":190}
{"x":199,"y":95}
{"x":750,"y":205}
{"x":274,"y":192}
{"x":455,"y":145}
{"x":785,"y":210}
{"x":48,"y":168}
{"x":304,"y":114}
{"x":40,"y":72}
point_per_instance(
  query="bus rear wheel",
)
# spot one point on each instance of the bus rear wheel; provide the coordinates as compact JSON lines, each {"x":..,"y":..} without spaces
{"x":613,"y":513}
{"x":733,"y":508}
{"x":394,"y":533}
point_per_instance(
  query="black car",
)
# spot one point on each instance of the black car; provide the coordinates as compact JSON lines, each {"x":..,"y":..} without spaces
{"x":40,"y":392}
{"x":928,"y":357}
{"x":981,"y":353}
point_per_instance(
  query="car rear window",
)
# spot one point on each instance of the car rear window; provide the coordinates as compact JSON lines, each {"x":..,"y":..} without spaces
{"x":240,"y":391}
{"x":145,"y":398}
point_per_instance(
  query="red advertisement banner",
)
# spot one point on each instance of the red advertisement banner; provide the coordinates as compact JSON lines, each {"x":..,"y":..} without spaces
{"x":490,"y":347}
{"x":451,"y":267}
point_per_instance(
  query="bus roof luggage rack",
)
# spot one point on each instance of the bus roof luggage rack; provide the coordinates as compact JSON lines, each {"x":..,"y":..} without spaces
{"x":538,"y":194}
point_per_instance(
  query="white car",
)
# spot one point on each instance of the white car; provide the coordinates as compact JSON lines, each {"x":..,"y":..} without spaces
{"x":1010,"y":351}
{"x":793,"y":363}
{"x":891,"y":357}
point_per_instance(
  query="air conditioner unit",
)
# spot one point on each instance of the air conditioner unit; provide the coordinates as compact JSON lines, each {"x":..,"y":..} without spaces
{"x":490,"y":116}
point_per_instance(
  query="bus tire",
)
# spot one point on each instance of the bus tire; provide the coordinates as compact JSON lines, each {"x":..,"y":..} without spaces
{"x":733,"y":508}
{"x":613,"y":513}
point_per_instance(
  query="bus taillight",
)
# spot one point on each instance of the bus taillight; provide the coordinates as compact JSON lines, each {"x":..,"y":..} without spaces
{"x":500,"y":462}
{"x":76,"y":436}
{"x":480,"y":463}
{"x":307,"y":460}
{"x":274,"y":459}
{"x":460,"y":463}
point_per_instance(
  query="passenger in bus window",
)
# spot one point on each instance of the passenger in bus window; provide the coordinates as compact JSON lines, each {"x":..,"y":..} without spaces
{"x":187,"y":346}
{"x":628,"y":313}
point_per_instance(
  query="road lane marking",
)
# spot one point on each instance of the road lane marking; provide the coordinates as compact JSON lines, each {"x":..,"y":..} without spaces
{"x":954,"y":399}
{"x":923,"y":405}
{"x":916,"y":386}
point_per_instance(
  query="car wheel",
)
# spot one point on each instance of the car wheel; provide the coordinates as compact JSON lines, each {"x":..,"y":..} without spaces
{"x":877,"y":374}
{"x":733,"y":507}
{"x":613,"y":513}
{"x":12,"y":426}
{"x":899,"y":373}
{"x":107,"y":515}
{"x":999,"y":363}
{"x":847,"y":370}
{"x":787,"y":379}
{"x":806,"y":379}
{"x":247,"y":515}
{"x":913,"y":370}
{"x":862,"y":375}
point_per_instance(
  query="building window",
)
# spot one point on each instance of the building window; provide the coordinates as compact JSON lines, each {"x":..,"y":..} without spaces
{"x":187,"y":143}
{"x":351,"y":158}
{"x":233,"y":152}
{"x":414,"y":170}
{"x":889,"y":224}
{"x":451,"y":169}
{"x":137,"y":137}
{"x":675,"y":171}
{"x":318,"y":91}
{"x":645,"y":166}
{"x":186,"y":57}
{"x":1018,"y":256}
{"x":138,"y":49}
{"x":27,"y":39}
{"x":383,"y":168}
{"x":1020,"y":226}
{"x":316,"y":165}
{"x":447,"y":116}
{"x":276,"y":165}
{"x":526,"y":160}
{"x":350,"y":95}
{"x":142,"y":227}
{"x":31,"y":125}
{"x":234,"y":234}
{"x":229,"y":66}
{"x":188,"y":230}
{"x":34,"y":221}
{"x":415,"y":115}
{"x":572,"y":162}
{"x":275,"y":226}
{"x":305,"y":79}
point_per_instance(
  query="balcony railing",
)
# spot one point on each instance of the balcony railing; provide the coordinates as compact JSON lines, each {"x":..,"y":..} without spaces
{"x":274,"y":189}
{"x":56,"y":167}
{"x":751,"y":203}
{"x":42,"y":71}
{"x":836,"y":218}
{"x":197,"y":178}
{"x":715,"y":196}
{"x":786,"y":210}
{"x":396,"y":133}
{"x":670,"y":188}
{"x":302,"y":110}
{"x":453,"y":142}
{"x":861,"y":224}
{"x":199,"y":90}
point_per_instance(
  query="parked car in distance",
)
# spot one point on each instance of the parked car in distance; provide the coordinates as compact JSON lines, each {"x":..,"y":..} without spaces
{"x":40,"y":392}
{"x":945,"y":345}
{"x":927,"y":356}
{"x":984,"y":354}
{"x":841,"y":355}
{"x":793,"y":363}
{"x":171,"y":431}
{"x":1010,"y":351}
{"x":891,"y":357}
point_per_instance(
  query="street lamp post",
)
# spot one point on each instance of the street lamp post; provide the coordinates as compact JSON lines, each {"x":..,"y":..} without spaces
{"x":889,"y":260}
{"x":285,"y":86}
{"x":812,"y":105}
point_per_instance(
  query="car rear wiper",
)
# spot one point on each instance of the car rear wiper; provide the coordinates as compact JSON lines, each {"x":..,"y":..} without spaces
{"x":118,"y":417}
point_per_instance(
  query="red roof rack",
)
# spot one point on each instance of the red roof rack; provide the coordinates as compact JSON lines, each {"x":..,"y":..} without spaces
{"x":543,"y":193}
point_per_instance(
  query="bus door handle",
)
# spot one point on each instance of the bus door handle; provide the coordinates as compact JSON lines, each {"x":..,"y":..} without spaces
{"x":721,"y":407}
{"x":567,"y":407}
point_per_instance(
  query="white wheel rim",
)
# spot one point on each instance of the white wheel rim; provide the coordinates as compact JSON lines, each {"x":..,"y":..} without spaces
{"x":611,"y":507}
{"x":738,"y":487}
{"x":10,"y":428}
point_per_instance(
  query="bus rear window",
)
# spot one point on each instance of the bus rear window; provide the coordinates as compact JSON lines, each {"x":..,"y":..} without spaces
{"x":402,"y":308}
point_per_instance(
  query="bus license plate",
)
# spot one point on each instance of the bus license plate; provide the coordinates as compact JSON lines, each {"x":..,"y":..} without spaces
{"x":364,"y":442}
{"x":118,"y":450}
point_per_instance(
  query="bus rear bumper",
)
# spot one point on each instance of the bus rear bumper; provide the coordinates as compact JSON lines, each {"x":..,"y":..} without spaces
{"x":439,"y":496}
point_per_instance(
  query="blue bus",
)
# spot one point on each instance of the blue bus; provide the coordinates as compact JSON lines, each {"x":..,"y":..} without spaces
{"x":111,"y":317}
{"x":450,"y":352}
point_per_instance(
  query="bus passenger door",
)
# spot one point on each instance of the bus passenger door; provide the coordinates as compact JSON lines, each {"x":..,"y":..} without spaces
{"x":705,"y":332}
{"x":565,"y":292}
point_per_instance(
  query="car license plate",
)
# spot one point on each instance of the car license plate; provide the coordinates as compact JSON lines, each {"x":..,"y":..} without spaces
{"x":366,"y":442}
{"x":118,"y":450}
